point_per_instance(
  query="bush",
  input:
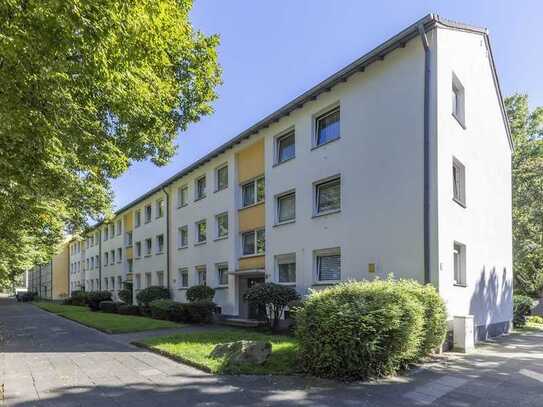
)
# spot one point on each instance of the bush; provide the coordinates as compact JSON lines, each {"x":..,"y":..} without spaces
{"x":125,"y":295}
{"x":149,"y":294}
{"x":435,"y":315}
{"x":108,"y":306}
{"x":359,"y":329}
{"x":522,"y":307}
{"x":274,"y":298}
{"x":535,"y":319}
{"x":96,"y":297}
{"x":200,"y":293}
{"x":128,"y":309}
{"x":79,"y":298}
{"x":161,"y":309}
{"x":199,"y":312}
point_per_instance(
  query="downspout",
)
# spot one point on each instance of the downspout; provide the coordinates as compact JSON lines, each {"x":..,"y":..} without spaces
{"x":426,"y":209}
{"x":51,"y":261}
{"x":167,"y":237}
{"x":99,"y":259}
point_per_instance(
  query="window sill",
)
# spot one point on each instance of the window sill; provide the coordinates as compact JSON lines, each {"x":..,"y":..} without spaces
{"x":318,"y":215}
{"x":220,"y":238}
{"x":316,"y":146}
{"x":460,"y":285}
{"x":287,"y":222}
{"x":287,"y":284}
{"x":460,"y":121}
{"x":183,"y":247}
{"x":277,"y":164}
{"x":462,"y":204}
{"x":249,"y":256}
{"x":252,"y":205}
{"x":324,"y":283}
{"x":200,"y":243}
{"x":148,"y":255}
{"x":222,"y":287}
{"x":199,"y":198}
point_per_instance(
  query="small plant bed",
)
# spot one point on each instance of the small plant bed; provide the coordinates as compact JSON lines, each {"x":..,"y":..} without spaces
{"x":195,"y":348}
{"x":106,"y":322}
{"x":533,"y":323}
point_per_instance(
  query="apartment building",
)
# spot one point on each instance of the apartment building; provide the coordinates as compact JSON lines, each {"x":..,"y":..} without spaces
{"x":51,"y":280}
{"x":397,"y":164}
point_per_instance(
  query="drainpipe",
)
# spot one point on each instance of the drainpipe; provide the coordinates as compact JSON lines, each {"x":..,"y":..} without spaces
{"x":426,"y":213}
{"x":99,"y":259}
{"x":167,"y":237}
{"x":51,"y":262}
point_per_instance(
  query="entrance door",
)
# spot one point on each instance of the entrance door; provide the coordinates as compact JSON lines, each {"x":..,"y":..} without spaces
{"x":255,"y":311}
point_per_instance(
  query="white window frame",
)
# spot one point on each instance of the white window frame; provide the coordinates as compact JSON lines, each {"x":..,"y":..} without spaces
{"x":458,"y":101}
{"x":317,"y":255}
{"x":219,"y":267}
{"x":159,"y":246}
{"x":159,"y":208}
{"x":148,"y":208}
{"x":459,"y":182}
{"x":137,"y":218}
{"x":316,"y":194}
{"x":316,"y":123}
{"x":148,"y":279}
{"x":459,"y":264}
{"x":119,"y":255}
{"x":197,"y":232}
{"x":255,"y":186}
{"x":160,"y":276}
{"x":287,"y":258}
{"x":256,"y":252}
{"x":119,"y":227}
{"x":180,"y":230}
{"x":217,"y":229}
{"x":138,"y":249}
{"x":148,"y":248}
{"x":217,"y":170}
{"x":201,"y":270}
{"x":278,"y":199}
{"x":182,"y":196}
{"x":198,"y":197}
{"x":277,"y":143}
{"x":137,"y":281}
{"x":182,"y":271}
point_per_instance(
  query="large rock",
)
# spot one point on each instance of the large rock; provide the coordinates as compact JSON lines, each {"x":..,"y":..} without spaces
{"x":242,"y":352}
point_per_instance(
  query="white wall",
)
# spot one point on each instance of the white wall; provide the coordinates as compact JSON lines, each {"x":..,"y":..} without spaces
{"x":484,"y":226}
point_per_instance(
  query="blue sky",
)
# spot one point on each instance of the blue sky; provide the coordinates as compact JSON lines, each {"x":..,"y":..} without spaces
{"x":271,"y":51}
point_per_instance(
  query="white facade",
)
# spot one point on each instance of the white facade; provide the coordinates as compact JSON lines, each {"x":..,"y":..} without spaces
{"x":377,"y":229}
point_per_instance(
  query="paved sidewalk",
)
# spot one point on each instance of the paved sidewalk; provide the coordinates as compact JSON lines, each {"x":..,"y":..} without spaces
{"x":46,"y":360}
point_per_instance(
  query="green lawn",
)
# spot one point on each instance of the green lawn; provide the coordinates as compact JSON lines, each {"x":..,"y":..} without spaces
{"x":110,"y":323}
{"x":194,"y":349}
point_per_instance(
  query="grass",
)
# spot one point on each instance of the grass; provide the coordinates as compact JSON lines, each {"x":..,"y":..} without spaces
{"x":194,"y":349}
{"x":109,"y":323}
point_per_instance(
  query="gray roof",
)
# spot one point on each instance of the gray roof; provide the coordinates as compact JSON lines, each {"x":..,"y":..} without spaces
{"x":429,"y":22}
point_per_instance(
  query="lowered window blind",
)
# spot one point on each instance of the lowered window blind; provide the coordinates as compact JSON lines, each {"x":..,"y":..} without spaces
{"x":329,"y":267}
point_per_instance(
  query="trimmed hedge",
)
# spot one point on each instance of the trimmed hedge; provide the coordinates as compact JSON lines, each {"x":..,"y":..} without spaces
{"x":108,"y":306}
{"x":360,"y":329}
{"x":522,"y":307}
{"x":127,"y":309}
{"x":96,"y":297}
{"x":200,"y":293}
{"x":161,"y":309}
{"x":79,"y":298}
{"x":149,"y":294}
{"x":195,"y":312}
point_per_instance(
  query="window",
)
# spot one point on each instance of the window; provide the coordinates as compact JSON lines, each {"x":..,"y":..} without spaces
{"x":106,"y":257}
{"x":97,"y":260}
{"x":183,"y":236}
{"x":201,"y":272}
{"x":327,"y":127}
{"x":159,"y":244}
{"x":183,"y":278}
{"x":119,"y":255}
{"x":222,"y":178}
{"x":459,"y":258}
{"x":119,"y":227}
{"x":285,"y":148}
{"x":253,"y":243}
{"x":148,"y":213}
{"x":87,"y":262}
{"x":252,"y":192}
{"x":286,"y":207}
{"x":201,"y":229}
{"x":105,"y":233}
{"x":112,"y":279}
{"x":112,"y":256}
{"x":138,"y":249}
{"x":222,"y":225}
{"x":160,"y":208}
{"x":459,"y":182}
{"x":137,"y":282}
{"x":92,"y":263}
{"x":222,"y":274}
{"x":137,"y":218}
{"x":119,"y":283}
{"x":128,"y":239}
{"x":458,"y":101}
{"x":328,"y":196}
{"x":328,"y":265}
{"x":286,"y":268}
{"x":130,"y":264}
{"x":200,"y":188}
{"x":148,"y":280}
{"x":182,"y":196}
{"x":112,"y":231}
{"x":160,"y":278}
{"x":106,"y":283}
{"x":148,"y":247}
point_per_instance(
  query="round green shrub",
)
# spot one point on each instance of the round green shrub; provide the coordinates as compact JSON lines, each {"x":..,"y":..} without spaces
{"x":199,"y":312}
{"x":273,"y":298}
{"x":128,"y":309}
{"x":522,"y":307}
{"x":96,"y":297}
{"x":79,"y":298}
{"x":359,"y":330}
{"x":161,"y":308}
{"x":145,"y":296}
{"x":108,"y":306}
{"x":435,"y":315}
{"x":198,"y":293}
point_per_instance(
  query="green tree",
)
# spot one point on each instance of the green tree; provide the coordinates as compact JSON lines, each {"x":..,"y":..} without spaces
{"x":87,"y":88}
{"x":527,"y":169}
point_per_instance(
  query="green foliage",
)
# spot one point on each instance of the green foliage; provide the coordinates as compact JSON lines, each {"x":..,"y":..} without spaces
{"x":527,"y":170}
{"x":87,"y":88}
{"x":522,"y":307}
{"x":108,"y":306}
{"x":96,"y":297}
{"x":274,"y":298}
{"x":125,"y":294}
{"x":128,"y":309}
{"x":435,"y":315}
{"x":359,"y":329}
{"x":79,"y":298}
{"x":198,"y":293}
{"x":534,"y":320}
{"x":160,"y":309}
{"x":198,"y":312}
{"x":194,"y":312}
{"x":145,"y":296}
